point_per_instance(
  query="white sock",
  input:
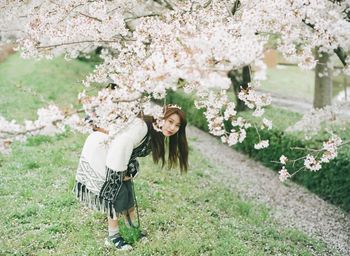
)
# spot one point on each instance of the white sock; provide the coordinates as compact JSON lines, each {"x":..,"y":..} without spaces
{"x":113,"y":231}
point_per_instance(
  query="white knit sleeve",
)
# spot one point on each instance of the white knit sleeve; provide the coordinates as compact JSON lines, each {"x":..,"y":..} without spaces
{"x":122,"y":145}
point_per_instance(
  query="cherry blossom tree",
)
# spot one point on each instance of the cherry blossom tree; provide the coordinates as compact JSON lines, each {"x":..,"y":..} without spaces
{"x":150,"y":47}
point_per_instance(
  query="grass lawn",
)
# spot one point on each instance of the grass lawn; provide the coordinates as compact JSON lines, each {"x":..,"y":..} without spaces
{"x":290,"y":81}
{"x":56,"y":81}
{"x":183,"y":214}
{"x":293,"y":82}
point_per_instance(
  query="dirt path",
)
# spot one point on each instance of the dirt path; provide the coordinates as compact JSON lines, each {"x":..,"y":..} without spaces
{"x":291,"y":205}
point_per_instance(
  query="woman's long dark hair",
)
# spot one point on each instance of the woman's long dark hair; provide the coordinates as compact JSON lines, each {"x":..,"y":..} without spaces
{"x":178,"y":147}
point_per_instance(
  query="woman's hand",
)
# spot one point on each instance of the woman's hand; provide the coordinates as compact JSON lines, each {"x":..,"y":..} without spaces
{"x":126,"y":178}
{"x":98,"y":129}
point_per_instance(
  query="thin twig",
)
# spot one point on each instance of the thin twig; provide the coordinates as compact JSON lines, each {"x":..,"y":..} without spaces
{"x":205,"y":5}
{"x":169,"y":5}
{"x":141,"y":16}
{"x":23,"y":132}
{"x":344,"y":143}
{"x":300,"y":158}
{"x":301,"y":168}
{"x":85,"y":41}
{"x":74,"y":112}
{"x":91,"y":17}
{"x":308,"y":149}
{"x":257,"y":132}
{"x":228,"y":9}
{"x":130,"y":100}
{"x":41,"y":127}
{"x":318,"y":150}
{"x":67,"y":15}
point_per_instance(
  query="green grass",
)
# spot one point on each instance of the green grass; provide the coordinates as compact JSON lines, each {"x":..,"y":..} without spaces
{"x":56,"y":81}
{"x":184,"y":215}
{"x":290,"y":81}
{"x":293,"y":82}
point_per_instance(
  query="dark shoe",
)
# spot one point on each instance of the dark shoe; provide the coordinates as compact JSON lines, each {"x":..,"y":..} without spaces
{"x":118,"y":242}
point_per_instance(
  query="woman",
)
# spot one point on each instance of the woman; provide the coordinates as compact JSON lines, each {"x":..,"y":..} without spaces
{"x":105,"y":171}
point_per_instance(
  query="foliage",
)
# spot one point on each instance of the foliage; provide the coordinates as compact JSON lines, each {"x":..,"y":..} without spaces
{"x":331,"y":183}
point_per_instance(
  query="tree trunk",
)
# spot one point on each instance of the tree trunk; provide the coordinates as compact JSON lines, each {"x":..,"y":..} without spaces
{"x":323,"y":81}
{"x":240,"y":80}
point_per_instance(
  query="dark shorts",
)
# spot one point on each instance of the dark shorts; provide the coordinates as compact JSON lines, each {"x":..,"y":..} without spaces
{"x":123,"y":202}
{"x":125,"y":198}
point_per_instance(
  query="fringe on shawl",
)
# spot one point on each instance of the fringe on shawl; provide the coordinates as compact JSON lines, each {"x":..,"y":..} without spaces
{"x":94,"y":202}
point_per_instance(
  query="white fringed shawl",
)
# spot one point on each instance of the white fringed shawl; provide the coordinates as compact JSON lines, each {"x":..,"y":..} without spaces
{"x":97,"y":155}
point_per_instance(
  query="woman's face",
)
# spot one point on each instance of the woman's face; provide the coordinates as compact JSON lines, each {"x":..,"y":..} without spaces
{"x":171,"y":125}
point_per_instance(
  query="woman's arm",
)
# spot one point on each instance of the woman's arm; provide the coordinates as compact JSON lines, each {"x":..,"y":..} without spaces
{"x":118,"y":157}
{"x":121,"y":147}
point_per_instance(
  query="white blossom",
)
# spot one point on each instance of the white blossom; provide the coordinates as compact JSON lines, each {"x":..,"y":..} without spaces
{"x":330,"y":148}
{"x":311,"y":163}
{"x":242,"y":135}
{"x":262,"y":144}
{"x":267,"y":123}
{"x":284,"y":174}
{"x":51,"y":120}
{"x":283,"y":159}
{"x":232,"y":138}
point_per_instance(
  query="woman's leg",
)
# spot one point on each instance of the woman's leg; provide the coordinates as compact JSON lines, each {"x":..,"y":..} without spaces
{"x":113,"y":228}
{"x":114,"y":239}
{"x":130,"y":217}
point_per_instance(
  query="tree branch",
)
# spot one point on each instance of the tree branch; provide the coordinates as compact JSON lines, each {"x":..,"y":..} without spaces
{"x":85,"y":41}
{"x":67,"y":113}
{"x":67,"y":15}
{"x":91,"y":17}
{"x":339,"y":51}
{"x":205,"y":5}
{"x":341,"y":55}
{"x":168,"y":4}
{"x":141,"y":16}
{"x":22,"y":132}
{"x":235,"y":7}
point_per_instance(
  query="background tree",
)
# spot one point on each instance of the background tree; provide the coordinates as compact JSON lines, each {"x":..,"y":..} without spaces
{"x":323,"y":81}
{"x":240,"y":80}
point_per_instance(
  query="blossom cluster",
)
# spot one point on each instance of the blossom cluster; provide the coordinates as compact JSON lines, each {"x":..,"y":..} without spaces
{"x":313,"y":121}
{"x":300,"y":26}
{"x":180,"y":50}
{"x":150,"y":47}
{"x":51,"y":28}
{"x":51,"y":120}
{"x":313,"y":162}
{"x":219,"y":109}
{"x":255,"y":101}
